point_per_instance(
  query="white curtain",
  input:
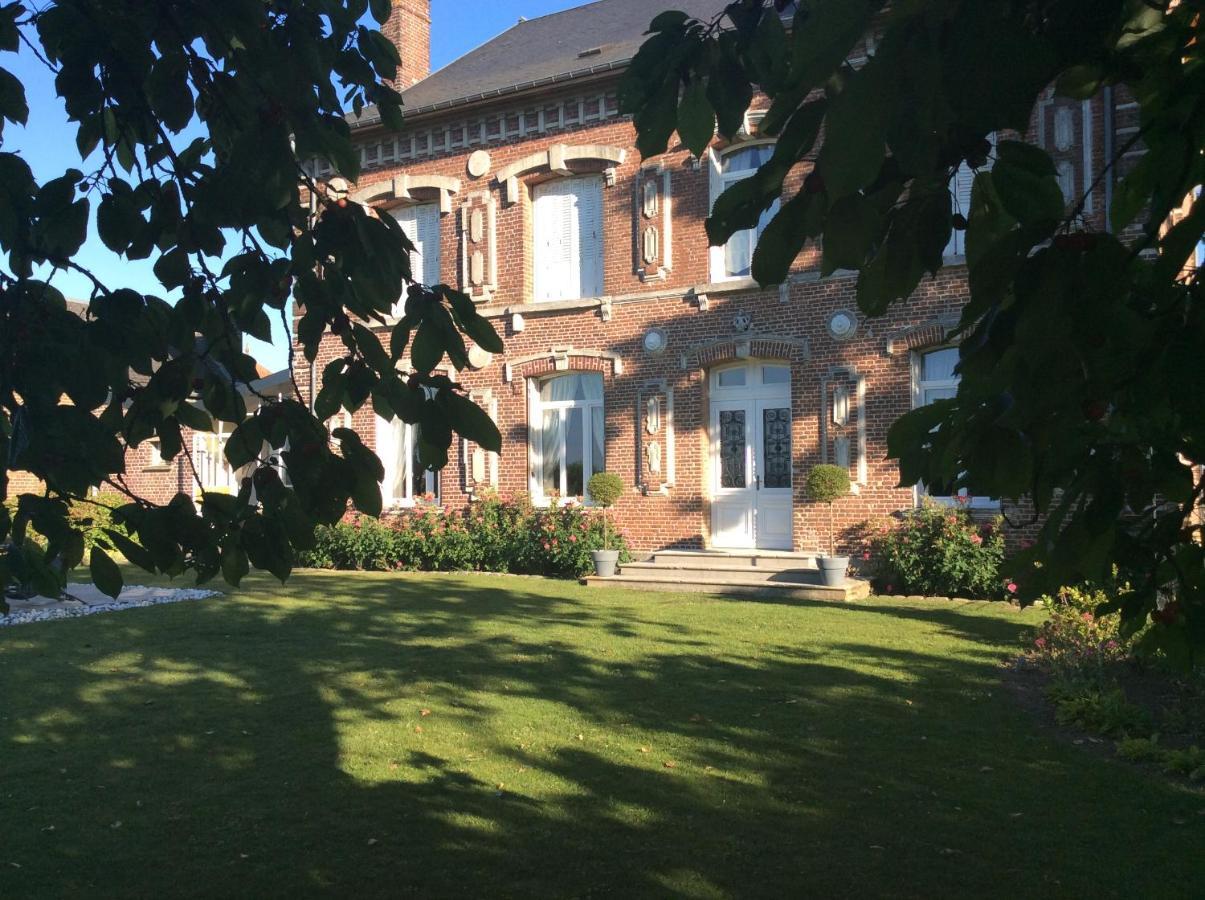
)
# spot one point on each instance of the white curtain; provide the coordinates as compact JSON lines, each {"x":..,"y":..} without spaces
{"x":401,"y":459}
{"x":583,"y":390}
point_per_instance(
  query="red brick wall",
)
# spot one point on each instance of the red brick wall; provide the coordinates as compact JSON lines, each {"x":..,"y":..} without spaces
{"x":410,"y":30}
{"x":678,"y":517}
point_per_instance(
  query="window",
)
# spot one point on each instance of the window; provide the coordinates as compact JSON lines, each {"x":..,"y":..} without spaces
{"x":568,"y":243}
{"x":406,"y":480}
{"x":935,"y":378}
{"x":961,"y":187}
{"x":735,"y":259}
{"x":567,"y":426}
{"x":421,"y":225}
{"x":212,"y":467}
{"x":155,"y":458}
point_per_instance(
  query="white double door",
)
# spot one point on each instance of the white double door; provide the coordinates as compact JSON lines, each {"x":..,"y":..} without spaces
{"x":751,"y":458}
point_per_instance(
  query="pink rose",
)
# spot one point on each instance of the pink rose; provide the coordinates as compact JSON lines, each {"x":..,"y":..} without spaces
{"x":1040,"y":643}
{"x":1011,"y":587}
{"x":866,"y":555}
{"x":573,"y":538}
{"x":976,"y":539}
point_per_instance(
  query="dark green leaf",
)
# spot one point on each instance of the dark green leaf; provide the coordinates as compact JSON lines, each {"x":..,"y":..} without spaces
{"x":105,"y":573}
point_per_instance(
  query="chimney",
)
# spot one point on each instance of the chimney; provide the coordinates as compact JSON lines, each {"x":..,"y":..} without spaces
{"x":409,"y":27}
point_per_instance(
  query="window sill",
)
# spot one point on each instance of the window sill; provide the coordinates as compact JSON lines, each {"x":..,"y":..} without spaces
{"x":162,"y":467}
{"x":539,"y":307}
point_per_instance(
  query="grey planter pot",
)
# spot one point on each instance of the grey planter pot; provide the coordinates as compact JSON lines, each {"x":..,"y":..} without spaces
{"x":833,"y":569}
{"x":604,"y":562}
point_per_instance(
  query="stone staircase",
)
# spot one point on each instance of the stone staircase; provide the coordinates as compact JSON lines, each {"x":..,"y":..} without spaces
{"x":763,"y":573}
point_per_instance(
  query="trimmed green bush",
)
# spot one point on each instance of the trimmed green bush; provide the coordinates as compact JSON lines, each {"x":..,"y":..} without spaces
{"x":604,"y":489}
{"x":489,"y":536}
{"x":827,"y":484}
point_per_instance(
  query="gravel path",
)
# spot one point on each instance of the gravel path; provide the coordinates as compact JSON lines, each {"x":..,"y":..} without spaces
{"x":87,"y":601}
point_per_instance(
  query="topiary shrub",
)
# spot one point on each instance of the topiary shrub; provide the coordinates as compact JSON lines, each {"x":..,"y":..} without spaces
{"x":827,"y":484}
{"x":604,"y":489}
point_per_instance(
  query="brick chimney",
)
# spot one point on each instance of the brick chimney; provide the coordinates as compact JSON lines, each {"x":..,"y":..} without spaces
{"x":409,"y":27}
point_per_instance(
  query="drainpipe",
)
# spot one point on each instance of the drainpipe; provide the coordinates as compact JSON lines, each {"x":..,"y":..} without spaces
{"x":1107,"y":124}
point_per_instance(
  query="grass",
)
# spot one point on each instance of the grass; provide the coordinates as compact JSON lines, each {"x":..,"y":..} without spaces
{"x":476,"y":736}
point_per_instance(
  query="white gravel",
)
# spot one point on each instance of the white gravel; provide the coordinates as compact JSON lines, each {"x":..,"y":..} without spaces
{"x":90,"y":601}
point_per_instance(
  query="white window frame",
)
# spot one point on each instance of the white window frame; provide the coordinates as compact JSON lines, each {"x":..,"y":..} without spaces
{"x":155,"y":458}
{"x":537,"y":406}
{"x":920,"y":389}
{"x":386,"y":436}
{"x":721,"y":181}
{"x":549,"y":286}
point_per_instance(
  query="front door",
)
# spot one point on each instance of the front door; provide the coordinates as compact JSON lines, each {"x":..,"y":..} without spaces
{"x":751,"y":457}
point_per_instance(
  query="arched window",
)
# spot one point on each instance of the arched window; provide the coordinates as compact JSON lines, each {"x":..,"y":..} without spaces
{"x":735,"y":259}
{"x":567,"y":434}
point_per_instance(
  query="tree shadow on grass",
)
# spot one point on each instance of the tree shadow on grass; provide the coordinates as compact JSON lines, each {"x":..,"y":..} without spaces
{"x":574,"y":744}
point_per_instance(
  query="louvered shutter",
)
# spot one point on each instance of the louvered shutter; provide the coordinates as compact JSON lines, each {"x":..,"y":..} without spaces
{"x":961,"y":188}
{"x":567,"y":233}
{"x":551,"y":227}
{"x":421,"y":225}
{"x":588,"y":233}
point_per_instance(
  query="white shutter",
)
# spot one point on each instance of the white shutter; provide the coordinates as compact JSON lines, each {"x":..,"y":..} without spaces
{"x":550,"y":239}
{"x":961,"y":187}
{"x":589,"y":234}
{"x":421,"y":225}
{"x":567,"y":237}
{"x":964,"y":179}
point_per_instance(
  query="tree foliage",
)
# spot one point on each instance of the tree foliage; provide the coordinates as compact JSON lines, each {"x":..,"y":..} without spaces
{"x":193,"y":123}
{"x":1081,"y":378}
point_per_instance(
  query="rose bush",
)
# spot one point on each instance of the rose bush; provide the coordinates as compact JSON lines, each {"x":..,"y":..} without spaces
{"x":940,"y":551}
{"x":492,"y":535}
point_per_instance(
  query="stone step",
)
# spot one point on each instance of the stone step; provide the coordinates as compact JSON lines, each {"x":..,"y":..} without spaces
{"x":721,"y":560}
{"x":684,"y":570}
{"x":853,"y":589}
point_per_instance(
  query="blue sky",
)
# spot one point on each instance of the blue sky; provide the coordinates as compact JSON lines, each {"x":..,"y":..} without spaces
{"x":48,"y":141}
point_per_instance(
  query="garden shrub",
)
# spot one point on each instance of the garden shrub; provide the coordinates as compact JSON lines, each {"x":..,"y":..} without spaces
{"x":1074,"y":639}
{"x":491,"y":535}
{"x":940,"y":551}
{"x":1099,"y":709}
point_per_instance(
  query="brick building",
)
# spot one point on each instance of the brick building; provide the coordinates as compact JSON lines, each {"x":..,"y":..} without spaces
{"x":630,"y":343}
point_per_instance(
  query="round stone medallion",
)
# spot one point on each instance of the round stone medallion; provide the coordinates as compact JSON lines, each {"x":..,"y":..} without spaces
{"x":842,"y":324}
{"x":479,"y":163}
{"x":655,"y":340}
{"x":479,"y":358}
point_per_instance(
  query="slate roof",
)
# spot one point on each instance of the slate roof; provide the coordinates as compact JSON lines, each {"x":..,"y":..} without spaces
{"x":595,"y":37}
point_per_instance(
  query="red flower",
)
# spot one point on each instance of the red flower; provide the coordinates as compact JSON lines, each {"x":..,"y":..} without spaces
{"x":1011,"y":587}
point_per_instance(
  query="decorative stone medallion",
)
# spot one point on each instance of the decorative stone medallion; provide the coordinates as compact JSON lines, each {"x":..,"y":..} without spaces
{"x":843,"y":324}
{"x":742,"y":322}
{"x":479,"y":163}
{"x":479,"y":357}
{"x":655,"y":340}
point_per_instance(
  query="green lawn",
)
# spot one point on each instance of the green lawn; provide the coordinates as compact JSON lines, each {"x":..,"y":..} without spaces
{"x":372,"y":735}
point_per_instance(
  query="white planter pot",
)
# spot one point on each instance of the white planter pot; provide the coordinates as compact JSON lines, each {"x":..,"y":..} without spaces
{"x":604,"y":562}
{"x":833,"y":569}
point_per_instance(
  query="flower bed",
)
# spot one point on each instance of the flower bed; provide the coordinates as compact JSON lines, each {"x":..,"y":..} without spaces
{"x":491,"y":535}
